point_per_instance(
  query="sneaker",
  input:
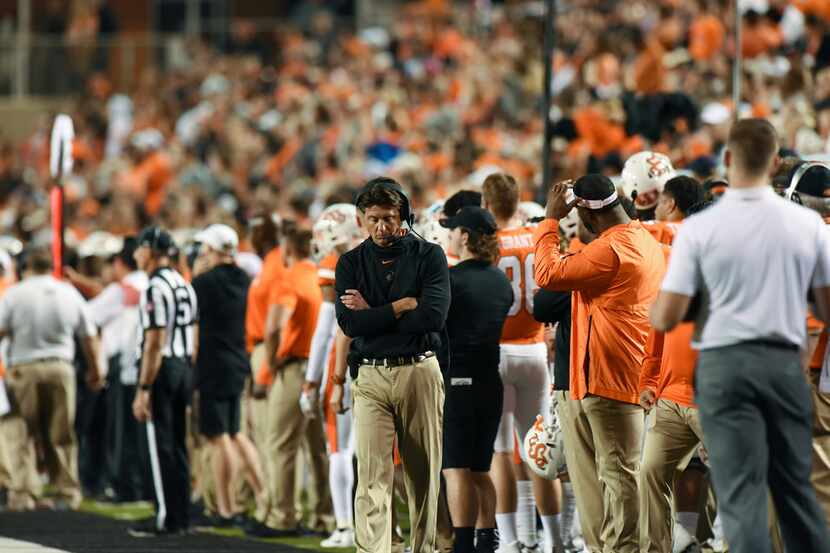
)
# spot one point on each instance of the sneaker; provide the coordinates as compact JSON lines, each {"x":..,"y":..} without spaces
{"x":147,"y":529}
{"x":514,"y":547}
{"x":683,"y":541}
{"x":342,"y":537}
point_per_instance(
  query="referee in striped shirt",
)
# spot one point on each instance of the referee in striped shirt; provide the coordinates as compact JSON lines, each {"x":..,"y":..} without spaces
{"x":168,"y":348}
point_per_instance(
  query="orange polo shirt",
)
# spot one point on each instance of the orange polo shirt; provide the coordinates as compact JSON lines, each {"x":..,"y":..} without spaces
{"x":300,"y":293}
{"x":615,"y":280}
{"x":272,"y":272}
{"x":669,"y":365}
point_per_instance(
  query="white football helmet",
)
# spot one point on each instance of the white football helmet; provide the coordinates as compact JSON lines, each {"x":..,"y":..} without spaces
{"x":545,"y":448}
{"x":433,"y":212}
{"x":570,"y":224}
{"x":336,"y":226}
{"x":432,"y":231}
{"x":646,"y":173}
{"x":530,"y":210}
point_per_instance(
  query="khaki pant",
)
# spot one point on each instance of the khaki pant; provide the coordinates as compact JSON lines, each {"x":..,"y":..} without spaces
{"x":669,"y":447}
{"x":44,"y":393}
{"x":287,"y":427}
{"x":603,"y":443}
{"x":406,"y":402}
{"x":19,"y":459}
{"x":820,"y":476}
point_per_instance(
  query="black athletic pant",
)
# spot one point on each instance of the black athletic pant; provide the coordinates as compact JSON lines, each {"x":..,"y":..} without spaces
{"x":167,"y":461}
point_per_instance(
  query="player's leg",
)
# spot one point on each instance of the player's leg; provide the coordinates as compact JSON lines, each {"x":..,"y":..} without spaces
{"x":501,"y":469}
{"x":533,"y":398}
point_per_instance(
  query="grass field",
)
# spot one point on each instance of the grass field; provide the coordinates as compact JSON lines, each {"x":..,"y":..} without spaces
{"x":135,"y":511}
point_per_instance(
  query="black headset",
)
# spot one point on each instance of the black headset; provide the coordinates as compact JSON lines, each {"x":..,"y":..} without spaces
{"x":392,"y":185}
{"x":795,"y":177}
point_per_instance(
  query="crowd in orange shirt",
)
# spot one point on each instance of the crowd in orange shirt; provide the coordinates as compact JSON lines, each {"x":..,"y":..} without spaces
{"x":437,"y":96}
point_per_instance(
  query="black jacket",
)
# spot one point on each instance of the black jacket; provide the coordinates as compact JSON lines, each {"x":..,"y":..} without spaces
{"x":481,"y":297}
{"x":222,"y":365}
{"x":555,"y":307}
{"x":420,"y":271}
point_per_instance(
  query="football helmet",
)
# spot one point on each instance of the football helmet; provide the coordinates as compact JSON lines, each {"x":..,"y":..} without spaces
{"x":336,"y":226}
{"x":569,"y":224}
{"x":646,"y":173}
{"x":530,"y":210}
{"x":432,"y":213}
{"x":545,"y":447}
{"x":432,"y":231}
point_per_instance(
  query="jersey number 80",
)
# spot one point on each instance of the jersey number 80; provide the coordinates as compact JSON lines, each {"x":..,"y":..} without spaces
{"x":522,"y":281}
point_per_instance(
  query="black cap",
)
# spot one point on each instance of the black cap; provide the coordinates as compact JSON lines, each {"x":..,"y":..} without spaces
{"x":473,"y":218}
{"x":158,"y":240}
{"x":461,"y":199}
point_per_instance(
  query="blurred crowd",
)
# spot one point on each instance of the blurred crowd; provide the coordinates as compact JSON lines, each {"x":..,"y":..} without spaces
{"x":295,"y":118}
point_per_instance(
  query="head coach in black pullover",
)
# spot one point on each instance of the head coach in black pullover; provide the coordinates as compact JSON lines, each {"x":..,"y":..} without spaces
{"x":393,"y":296}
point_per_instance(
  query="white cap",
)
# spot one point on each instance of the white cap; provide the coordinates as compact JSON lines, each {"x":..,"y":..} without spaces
{"x":220,"y":238}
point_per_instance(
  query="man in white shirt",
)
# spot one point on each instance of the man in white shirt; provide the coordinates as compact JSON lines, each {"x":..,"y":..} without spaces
{"x":115,"y":311}
{"x":42,"y":316}
{"x":753,"y":258}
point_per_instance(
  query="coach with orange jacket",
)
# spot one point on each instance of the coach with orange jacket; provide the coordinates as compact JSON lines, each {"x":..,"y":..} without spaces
{"x":614,"y":280}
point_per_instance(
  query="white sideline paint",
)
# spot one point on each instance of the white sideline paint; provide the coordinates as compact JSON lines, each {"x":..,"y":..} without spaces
{"x":15,"y":546}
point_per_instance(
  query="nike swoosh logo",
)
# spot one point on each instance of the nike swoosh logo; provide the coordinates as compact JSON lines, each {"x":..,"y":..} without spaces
{"x":387,"y":262}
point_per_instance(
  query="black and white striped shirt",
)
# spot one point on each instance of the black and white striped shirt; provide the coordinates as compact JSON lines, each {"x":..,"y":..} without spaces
{"x":170,"y":303}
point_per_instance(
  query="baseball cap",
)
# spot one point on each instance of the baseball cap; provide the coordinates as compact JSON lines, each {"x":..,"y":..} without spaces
{"x":220,"y":238}
{"x":473,"y":218}
{"x":461,"y":199}
{"x":158,"y":240}
{"x":594,"y":192}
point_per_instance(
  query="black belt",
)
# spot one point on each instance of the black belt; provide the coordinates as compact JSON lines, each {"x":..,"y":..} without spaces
{"x":397,"y":361}
{"x":773,"y":344}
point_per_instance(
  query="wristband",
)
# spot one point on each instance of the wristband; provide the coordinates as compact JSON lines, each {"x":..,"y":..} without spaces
{"x":145,"y":387}
{"x":338,"y":379}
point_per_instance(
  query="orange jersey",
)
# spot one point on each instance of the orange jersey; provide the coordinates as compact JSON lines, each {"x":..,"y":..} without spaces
{"x":325,"y":270}
{"x":300,"y":293}
{"x":669,"y":362}
{"x":669,"y":365}
{"x":516,"y":250}
{"x":272,"y":272}
{"x":662,"y":231}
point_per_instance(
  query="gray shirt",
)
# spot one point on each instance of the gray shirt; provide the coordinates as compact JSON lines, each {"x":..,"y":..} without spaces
{"x":42,"y":316}
{"x":754,"y":256}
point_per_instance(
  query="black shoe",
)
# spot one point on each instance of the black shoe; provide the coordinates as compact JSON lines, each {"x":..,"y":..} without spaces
{"x":234,"y":521}
{"x":147,"y":528}
{"x":256,"y":529}
{"x":203,"y":521}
